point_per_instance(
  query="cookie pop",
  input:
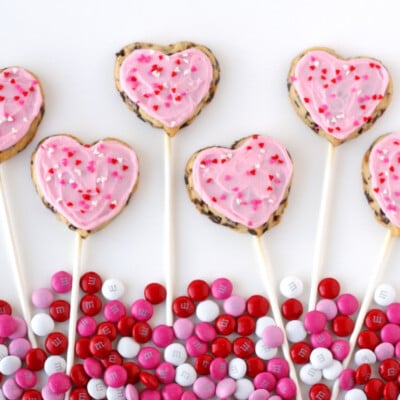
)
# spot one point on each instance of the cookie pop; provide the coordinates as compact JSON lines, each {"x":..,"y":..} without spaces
{"x":86,"y":186}
{"x":245,"y":188}
{"x":338,"y":99}
{"x":167,"y":86}
{"x":21,"y":110}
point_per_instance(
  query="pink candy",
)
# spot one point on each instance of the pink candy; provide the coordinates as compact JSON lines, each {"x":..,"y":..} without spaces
{"x":8,"y":325}
{"x":149,"y":357}
{"x":218,"y":368}
{"x":234,"y":305}
{"x":163,"y":335}
{"x":114,"y":310}
{"x":61,"y":282}
{"x":347,"y":304}
{"x":142,"y":310}
{"x":315,"y":321}
{"x":115,"y":376}
{"x":59,"y":383}
{"x":42,"y":298}
{"x":221,"y":288}
{"x":272,"y":336}
{"x":25,"y":378}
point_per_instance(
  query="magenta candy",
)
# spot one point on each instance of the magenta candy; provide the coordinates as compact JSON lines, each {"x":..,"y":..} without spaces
{"x":347,"y":304}
{"x":183,"y":328}
{"x":188,"y":396}
{"x":114,"y":310}
{"x":165,"y":372}
{"x":278,"y":367}
{"x":149,"y":357}
{"x":19,"y":347}
{"x":340,"y":349}
{"x":8,"y":325}
{"x":163,"y":335}
{"x":86,"y":326}
{"x":93,"y":367}
{"x":321,"y":339}
{"x":393,"y":313}
{"x":225,"y":388}
{"x":59,"y":382}
{"x":219,"y":368}
{"x":397,"y":350}
{"x":25,"y":378}
{"x":131,"y":392}
{"x":142,"y":310}
{"x":265,"y":380}
{"x":61,"y":282}
{"x":205,"y":331}
{"x":171,"y":391}
{"x":286,"y":388}
{"x":315,"y":321}
{"x":42,"y":298}
{"x":11,"y":390}
{"x":260,"y":394}
{"x":115,"y":376}
{"x":49,"y":395}
{"x":272,"y":336}
{"x":149,"y":394}
{"x":384,"y":351}
{"x":328,"y":307}
{"x":21,"y":329}
{"x":390,"y":333}
{"x":347,"y":379}
{"x":234,"y":305}
{"x":195,"y":347}
{"x":204,"y":388}
{"x":221,"y":288}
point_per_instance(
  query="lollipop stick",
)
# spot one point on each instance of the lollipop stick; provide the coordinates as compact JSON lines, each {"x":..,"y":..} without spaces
{"x":376,"y":275}
{"x":267,"y":274}
{"x":322,"y":228}
{"x":76,"y":272}
{"x":169,"y":231}
{"x":15,"y":261}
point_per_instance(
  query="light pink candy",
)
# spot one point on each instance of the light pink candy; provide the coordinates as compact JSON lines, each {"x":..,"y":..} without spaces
{"x":315,"y":321}
{"x":204,"y":388}
{"x":260,"y":394}
{"x":25,"y":378}
{"x":195,"y":347}
{"x":265,"y":380}
{"x":321,"y":339}
{"x":93,"y":367}
{"x":328,"y":307}
{"x":219,"y":368}
{"x":61,"y":282}
{"x":286,"y":388}
{"x":278,"y":367}
{"x":221,"y":288}
{"x":390,"y":333}
{"x":11,"y":390}
{"x":384,"y":351}
{"x":234,"y":305}
{"x":347,"y":379}
{"x":163,"y":335}
{"x":19,"y":347}
{"x":171,"y":391}
{"x":59,"y":382}
{"x":340,"y":349}
{"x":183,"y":328}
{"x":347,"y":304}
{"x":49,"y":395}
{"x":131,"y":392}
{"x":114,"y":310}
{"x":149,"y":357}
{"x":225,"y":388}
{"x":142,"y":310}
{"x":8,"y":325}
{"x":205,"y":331}
{"x":21,"y":330}
{"x":42,"y":298}
{"x":272,"y":336}
{"x":165,"y":372}
{"x":115,"y":376}
{"x":393,"y":313}
{"x":86,"y":326}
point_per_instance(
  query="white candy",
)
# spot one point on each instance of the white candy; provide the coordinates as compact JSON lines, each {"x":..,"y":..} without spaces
{"x":262,"y":323}
{"x":384,"y":294}
{"x":116,"y":393}
{"x":3,"y":351}
{"x":9,"y":365}
{"x":237,"y":368}
{"x":175,"y":353}
{"x":96,"y":389}
{"x":127,"y":347}
{"x":321,"y":358}
{"x":54,"y":364}
{"x":295,"y":331}
{"x":310,"y":375}
{"x":264,"y":352}
{"x":112,"y":289}
{"x":185,"y":375}
{"x":355,"y":394}
{"x":291,"y":286}
{"x":42,"y":324}
{"x":333,"y":371}
{"x":207,"y":310}
{"x":244,"y":388}
{"x":1,"y":395}
{"x":364,"y":356}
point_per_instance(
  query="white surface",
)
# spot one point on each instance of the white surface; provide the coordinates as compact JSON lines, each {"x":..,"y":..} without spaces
{"x":71,"y":46}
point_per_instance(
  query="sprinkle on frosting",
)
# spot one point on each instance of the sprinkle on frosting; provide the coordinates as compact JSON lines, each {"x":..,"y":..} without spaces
{"x":20,"y":103}
{"x":167,"y":87}
{"x":340,"y":95}
{"x":246,"y":184}
{"x":87,"y":184}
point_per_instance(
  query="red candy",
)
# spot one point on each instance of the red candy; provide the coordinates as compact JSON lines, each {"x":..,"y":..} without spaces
{"x":374,"y":389}
{"x":300,"y":352}
{"x":375,"y":319}
{"x":319,"y":391}
{"x":78,"y":375}
{"x":133,"y":371}
{"x":100,"y":346}
{"x":198,"y":290}
{"x":363,"y":374}
{"x":328,"y":288}
{"x":221,"y":347}
{"x":79,"y":394}
{"x":183,"y":307}
{"x":342,"y":325}
{"x":5,"y":308}
{"x":202,"y":364}
{"x":35,"y":359}
{"x":243,"y":347}
{"x":149,"y":380}
{"x":31,"y":395}
{"x":292,"y":309}
{"x":257,"y":306}
{"x":368,"y":340}
{"x":125,"y":325}
{"x":56,"y":343}
{"x":225,"y":324}
{"x":90,"y":305}
{"x":155,"y":293}
{"x":142,"y":332}
{"x":82,"y":348}
{"x":255,"y":366}
{"x":90,"y":282}
{"x":59,"y":310}
{"x":389,"y":369}
{"x":107,"y":329}
{"x":245,"y":325}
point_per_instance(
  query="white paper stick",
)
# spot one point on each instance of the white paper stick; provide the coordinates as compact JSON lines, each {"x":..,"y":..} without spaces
{"x":374,"y":279}
{"x":267,"y":274}
{"x":18,"y":272}
{"x":322,"y":227}
{"x":169,"y":250}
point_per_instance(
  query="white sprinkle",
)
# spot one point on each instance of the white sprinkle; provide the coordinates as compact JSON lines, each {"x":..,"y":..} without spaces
{"x":96,"y":152}
{"x":340,"y":116}
{"x":316,"y":63}
{"x":257,"y":166}
{"x":25,"y":119}
{"x":185,"y":54}
{"x":186,"y":61}
{"x":15,"y":70}
{"x":59,"y":200}
{"x":114,"y":202}
{"x":120,"y":159}
{"x":71,"y":181}
{"x":156,"y":74}
{"x":177,"y":69}
{"x":152,"y":51}
{"x":173,"y":123}
{"x":14,"y":130}
{"x":270,"y":200}
{"x":78,"y":171}
{"x":101,"y":155}
{"x":48,"y":178}
{"x":94,"y":203}
{"x":11,"y":118}
{"x":186,"y":72}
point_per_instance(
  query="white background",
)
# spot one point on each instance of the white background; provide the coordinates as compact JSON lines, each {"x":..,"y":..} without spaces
{"x":71,"y":46}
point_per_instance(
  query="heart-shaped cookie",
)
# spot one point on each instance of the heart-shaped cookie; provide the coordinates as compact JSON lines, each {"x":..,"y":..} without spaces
{"x":381,"y":180}
{"x":85,"y":185}
{"x":244,"y":187}
{"x":21,"y":110}
{"x":166,"y":86}
{"x":338,"y":98}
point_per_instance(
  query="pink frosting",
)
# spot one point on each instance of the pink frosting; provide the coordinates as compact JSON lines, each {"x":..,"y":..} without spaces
{"x":168,"y":88}
{"x":340,"y":95}
{"x":88,"y":185}
{"x":20,"y":102}
{"x":246,"y":184}
{"x":384,"y":166}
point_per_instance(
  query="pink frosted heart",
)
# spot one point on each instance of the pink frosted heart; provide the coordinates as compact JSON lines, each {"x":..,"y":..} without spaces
{"x":340,"y":95}
{"x":20,"y":103}
{"x":87,"y":184}
{"x":168,"y":88}
{"x":384,"y":166}
{"x":246,"y":184}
